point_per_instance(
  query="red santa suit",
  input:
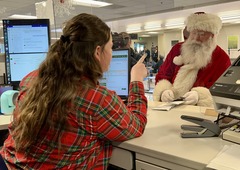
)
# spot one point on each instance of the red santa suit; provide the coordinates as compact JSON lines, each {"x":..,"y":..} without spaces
{"x":181,"y":72}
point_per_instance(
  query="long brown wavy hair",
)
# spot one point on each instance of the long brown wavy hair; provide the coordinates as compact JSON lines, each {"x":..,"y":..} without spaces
{"x":68,"y":61}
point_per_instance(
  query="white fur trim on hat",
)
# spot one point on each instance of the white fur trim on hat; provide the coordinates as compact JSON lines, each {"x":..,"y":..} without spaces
{"x":205,"y":22}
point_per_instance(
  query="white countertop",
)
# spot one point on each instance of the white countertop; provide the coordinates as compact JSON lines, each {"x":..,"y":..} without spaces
{"x":162,"y":139}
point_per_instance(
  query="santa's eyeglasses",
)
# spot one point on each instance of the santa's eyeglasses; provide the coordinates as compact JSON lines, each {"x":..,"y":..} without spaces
{"x":201,"y":33}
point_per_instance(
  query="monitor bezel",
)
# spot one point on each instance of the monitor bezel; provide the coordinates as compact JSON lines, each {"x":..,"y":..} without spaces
{"x":125,"y":97}
{"x":16,"y":22}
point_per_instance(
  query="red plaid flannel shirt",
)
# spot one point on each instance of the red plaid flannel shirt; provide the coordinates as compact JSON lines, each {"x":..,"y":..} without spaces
{"x":98,"y":118}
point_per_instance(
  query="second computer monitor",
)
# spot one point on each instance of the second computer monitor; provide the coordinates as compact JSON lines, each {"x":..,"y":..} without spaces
{"x":117,"y":78}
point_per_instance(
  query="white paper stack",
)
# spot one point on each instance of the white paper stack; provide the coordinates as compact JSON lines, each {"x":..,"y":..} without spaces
{"x":168,"y":106}
{"x":227,"y":159}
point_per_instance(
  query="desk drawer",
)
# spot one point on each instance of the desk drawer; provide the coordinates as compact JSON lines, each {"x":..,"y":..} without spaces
{"x":122,"y":158}
{"x":140,"y":165}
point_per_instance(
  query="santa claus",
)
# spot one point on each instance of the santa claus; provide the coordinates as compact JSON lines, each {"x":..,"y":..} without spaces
{"x":191,"y":67}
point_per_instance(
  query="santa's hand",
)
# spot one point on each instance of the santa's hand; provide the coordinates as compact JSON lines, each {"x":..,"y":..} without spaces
{"x":167,"y":96}
{"x":190,"y":97}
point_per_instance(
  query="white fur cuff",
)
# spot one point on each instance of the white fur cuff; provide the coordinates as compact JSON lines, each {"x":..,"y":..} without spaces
{"x":160,"y":87}
{"x":205,"y":97}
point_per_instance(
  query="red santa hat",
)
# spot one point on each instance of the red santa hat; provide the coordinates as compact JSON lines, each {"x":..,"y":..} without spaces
{"x":205,"y":22}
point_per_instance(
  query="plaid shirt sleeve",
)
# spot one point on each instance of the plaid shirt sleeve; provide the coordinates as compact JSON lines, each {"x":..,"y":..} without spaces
{"x":98,"y":116}
{"x":118,"y":122}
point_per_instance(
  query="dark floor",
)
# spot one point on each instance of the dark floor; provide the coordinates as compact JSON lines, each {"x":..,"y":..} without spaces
{"x":3,"y":136}
{"x":112,"y":167}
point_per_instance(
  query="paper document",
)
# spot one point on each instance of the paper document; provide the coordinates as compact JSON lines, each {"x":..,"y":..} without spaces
{"x":168,"y":106}
{"x":227,"y":159}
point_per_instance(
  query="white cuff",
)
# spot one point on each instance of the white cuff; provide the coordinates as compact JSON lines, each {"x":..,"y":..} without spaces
{"x":160,"y":87}
{"x":205,"y":97}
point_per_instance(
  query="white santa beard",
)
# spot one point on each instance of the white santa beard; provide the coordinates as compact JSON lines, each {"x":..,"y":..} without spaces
{"x":198,"y":54}
{"x":194,"y":57}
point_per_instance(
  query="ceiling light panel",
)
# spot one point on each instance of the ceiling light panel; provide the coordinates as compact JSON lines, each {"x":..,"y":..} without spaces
{"x":90,"y":3}
{"x":16,"y":16}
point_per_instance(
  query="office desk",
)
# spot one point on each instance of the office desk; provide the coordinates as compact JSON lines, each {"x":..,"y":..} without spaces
{"x":161,"y":145}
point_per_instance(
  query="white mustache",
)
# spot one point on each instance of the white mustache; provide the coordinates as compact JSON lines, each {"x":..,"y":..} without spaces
{"x":194,"y":42}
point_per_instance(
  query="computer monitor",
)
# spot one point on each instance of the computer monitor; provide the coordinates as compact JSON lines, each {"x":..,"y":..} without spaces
{"x":26,"y":43}
{"x":117,"y":78}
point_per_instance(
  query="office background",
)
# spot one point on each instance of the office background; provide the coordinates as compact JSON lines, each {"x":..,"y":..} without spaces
{"x":168,"y":151}
{"x":156,"y":22}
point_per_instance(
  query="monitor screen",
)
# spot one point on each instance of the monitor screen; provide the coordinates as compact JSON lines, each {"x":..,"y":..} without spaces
{"x":26,"y":43}
{"x":117,"y":78}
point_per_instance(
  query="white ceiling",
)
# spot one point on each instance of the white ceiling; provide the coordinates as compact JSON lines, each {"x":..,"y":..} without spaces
{"x":120,"y":15}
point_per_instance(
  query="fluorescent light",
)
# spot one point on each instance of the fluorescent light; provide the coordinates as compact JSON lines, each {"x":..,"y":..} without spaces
{"x":151,"y":32}
{"x":56,"y":30}
{"x":152,"y":26}
{"x":90,"y":3}
{"x":55,"y":38}
{"x":230,"y":18}
{"x":174,"y":24}
{"x":16,"y":16}
{"x":133,"y":29}
{"x":145,"y":35}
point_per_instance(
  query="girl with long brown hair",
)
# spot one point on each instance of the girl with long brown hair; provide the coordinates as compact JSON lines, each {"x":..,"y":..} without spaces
{"x":63,"y":118}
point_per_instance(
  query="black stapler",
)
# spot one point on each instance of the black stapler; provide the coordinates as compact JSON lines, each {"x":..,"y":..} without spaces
{"x":207,"y":128}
